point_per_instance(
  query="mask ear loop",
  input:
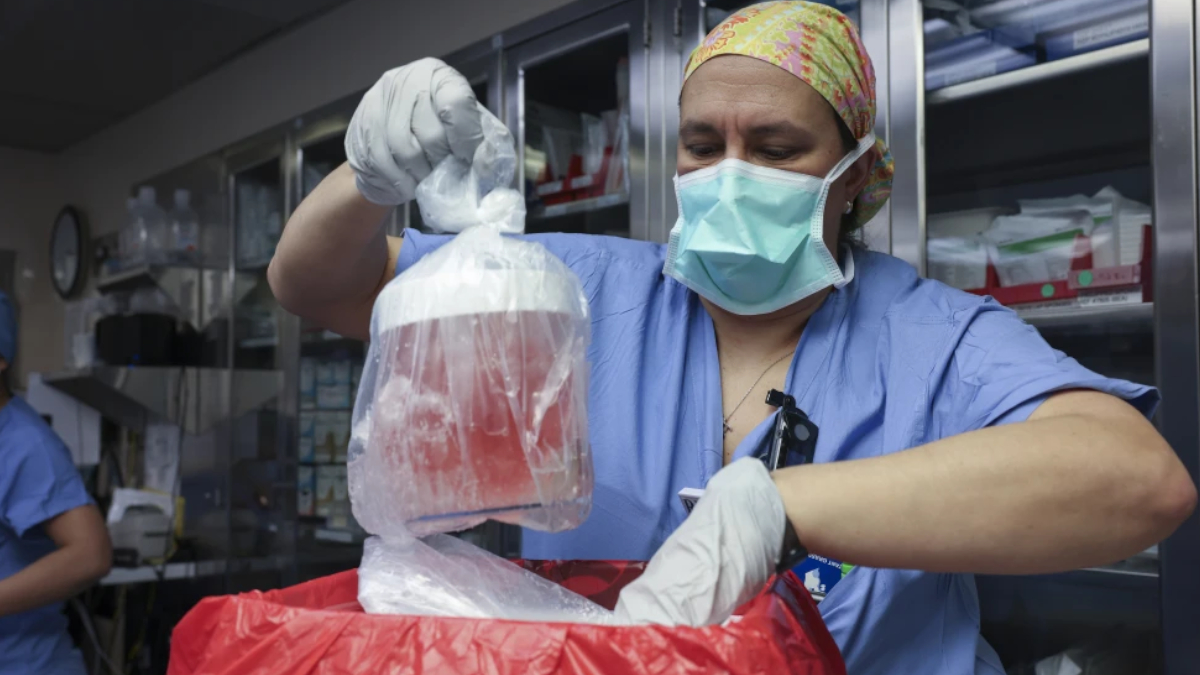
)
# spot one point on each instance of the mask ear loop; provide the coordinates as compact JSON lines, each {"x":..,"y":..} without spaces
{"x":864,"y":144}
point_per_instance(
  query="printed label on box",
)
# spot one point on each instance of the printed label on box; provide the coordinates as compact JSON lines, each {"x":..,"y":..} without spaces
{"x":333,"y":396}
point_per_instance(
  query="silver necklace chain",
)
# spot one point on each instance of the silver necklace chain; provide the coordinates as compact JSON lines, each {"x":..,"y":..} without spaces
{"x":725,"y":422}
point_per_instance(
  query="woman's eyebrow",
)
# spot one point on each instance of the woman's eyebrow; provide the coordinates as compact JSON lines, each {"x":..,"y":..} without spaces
{"x":776,"y":129}
{"x":697,"y":127}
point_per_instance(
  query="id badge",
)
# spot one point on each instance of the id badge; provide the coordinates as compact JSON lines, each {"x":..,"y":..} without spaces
{"x":820,"y":574}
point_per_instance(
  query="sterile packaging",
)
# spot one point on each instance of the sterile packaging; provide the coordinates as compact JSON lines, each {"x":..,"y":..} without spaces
{"x":956,"y":251}
{"x":473,"y":396}
{"x":1029,"y":249}
{"x":1103,"y":238}
{"x":1130,"y":218}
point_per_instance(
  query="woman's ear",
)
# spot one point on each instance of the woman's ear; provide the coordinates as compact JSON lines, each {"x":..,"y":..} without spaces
{"x":859,"y":173}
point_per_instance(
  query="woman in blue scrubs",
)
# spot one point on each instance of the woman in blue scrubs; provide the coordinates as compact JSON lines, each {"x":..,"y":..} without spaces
{"x":953,"y":440}
{"x":53,"y":541}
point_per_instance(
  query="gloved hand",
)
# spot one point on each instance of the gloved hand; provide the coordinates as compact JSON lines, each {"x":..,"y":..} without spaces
{"x":410,"y":120}
{"x":718,"y":559}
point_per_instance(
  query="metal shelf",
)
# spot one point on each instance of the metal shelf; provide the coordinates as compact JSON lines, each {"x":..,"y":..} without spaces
{"x":185,"y":286}
{"x":1138,"y":316}
{"x":1042,"y":71}
{"x":210,"y":568}
{"x":580,"y":206}
{"x":259,"y":342}
{"x":134,"y":395}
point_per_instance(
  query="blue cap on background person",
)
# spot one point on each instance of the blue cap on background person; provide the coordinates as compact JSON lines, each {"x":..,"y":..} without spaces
{"x":8,"y":329}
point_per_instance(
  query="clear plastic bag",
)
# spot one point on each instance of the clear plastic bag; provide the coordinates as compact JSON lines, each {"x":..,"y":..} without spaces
{"x":445,"y":576}
{"x":473,"y":398}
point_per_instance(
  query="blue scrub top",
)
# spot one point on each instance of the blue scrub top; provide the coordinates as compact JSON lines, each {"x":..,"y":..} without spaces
{"x":38,"y":481}
{"x":889,"y":362}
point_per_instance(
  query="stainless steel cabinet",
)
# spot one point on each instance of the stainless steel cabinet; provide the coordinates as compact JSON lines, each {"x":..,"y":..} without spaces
{"x":576,"y":101}
{"x":1062,"y":132}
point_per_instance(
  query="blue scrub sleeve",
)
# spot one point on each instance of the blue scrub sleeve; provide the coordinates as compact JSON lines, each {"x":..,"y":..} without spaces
{"x":38,"y":481}
{"x":1000,"y":370}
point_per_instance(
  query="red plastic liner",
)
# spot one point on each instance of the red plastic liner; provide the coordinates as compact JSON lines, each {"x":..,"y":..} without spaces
{"x":318,"y":628}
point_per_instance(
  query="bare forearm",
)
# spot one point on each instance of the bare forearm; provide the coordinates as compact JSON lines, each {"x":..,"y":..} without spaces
{"x":333,"y":254}
{"x":52,"y":579}
{"x":1042,"y":496}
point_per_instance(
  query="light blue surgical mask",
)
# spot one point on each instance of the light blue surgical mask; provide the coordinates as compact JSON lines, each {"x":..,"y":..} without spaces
{"x":750,"y":238}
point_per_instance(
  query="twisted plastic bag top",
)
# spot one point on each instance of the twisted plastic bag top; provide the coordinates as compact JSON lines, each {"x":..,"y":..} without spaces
{"x":472,"y":403}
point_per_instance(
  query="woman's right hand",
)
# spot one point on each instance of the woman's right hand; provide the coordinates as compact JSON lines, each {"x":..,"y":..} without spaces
{"x":410,"y":120}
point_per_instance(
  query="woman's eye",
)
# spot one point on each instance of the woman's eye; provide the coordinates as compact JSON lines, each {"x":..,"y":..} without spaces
{"x":776,"y":153}
{"x":702,"y":150}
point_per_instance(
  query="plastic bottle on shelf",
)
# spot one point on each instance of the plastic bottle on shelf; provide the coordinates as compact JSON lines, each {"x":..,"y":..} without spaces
{"x":151,"y":221}
{"x":184,"y":230}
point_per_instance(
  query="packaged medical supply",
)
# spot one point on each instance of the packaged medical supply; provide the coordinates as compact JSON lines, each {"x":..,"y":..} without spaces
{"x":1035,"y":248}
{"x":956,"y":252}
{"x":473,"y":397}
{"x":987,"y":60}
{"x":1103,"y":238}
{"x":1131,"y":219}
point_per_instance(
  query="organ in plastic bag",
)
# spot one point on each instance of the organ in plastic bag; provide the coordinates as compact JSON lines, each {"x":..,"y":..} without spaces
{"x":473,"y":398}
{"x":318,"y":628}
{"x":445,"y":576}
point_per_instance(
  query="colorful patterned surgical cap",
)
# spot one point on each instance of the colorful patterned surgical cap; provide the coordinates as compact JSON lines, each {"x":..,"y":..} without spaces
{"x":819,"y":45}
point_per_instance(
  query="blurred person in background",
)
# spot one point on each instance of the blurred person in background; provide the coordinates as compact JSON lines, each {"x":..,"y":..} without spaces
{"x":53,"y":540}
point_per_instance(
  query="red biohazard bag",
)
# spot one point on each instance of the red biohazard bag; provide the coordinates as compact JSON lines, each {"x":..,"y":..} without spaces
{"x":318,"y":628}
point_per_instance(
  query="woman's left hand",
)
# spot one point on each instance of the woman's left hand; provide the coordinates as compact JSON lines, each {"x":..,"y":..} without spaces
{"x":718,"y":559}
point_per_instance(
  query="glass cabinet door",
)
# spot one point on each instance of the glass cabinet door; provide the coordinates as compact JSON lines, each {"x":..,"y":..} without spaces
{"x":576,"y":101}
{"x":1037,"y":192}
{"x":327,"y":538}
{"x":258,"y":508}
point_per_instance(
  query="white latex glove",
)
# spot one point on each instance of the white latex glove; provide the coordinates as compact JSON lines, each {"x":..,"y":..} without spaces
{"x":410,"y":120}
{"x":718,"y":559}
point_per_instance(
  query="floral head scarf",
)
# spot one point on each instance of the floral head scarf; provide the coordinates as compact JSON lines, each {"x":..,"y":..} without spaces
{"x":819,"y":45}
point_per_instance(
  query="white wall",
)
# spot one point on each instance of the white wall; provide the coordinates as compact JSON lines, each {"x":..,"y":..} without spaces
{"x":337,"y":54}
{"x":31,"y":193}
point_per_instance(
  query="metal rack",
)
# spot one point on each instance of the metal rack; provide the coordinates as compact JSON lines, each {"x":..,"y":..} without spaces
{"x":1154,"y":145}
